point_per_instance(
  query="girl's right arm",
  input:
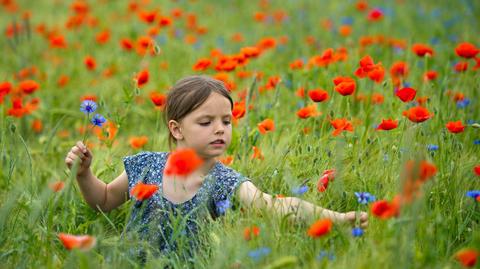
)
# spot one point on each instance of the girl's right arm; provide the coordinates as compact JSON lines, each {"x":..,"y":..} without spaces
{"x":97,"y":194}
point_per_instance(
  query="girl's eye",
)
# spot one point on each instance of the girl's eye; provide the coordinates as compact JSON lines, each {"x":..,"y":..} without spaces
{"x":204,"y":123}
{"x":227,"y":122}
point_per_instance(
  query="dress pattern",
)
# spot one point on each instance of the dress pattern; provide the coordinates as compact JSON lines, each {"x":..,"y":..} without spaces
{"x":169,"y":225}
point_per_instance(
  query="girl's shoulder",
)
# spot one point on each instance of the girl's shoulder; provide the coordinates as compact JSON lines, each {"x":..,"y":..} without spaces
{"x":145,"y":156}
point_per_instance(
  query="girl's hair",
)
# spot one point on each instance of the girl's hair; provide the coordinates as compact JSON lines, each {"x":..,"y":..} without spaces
{"x":188,"y":94}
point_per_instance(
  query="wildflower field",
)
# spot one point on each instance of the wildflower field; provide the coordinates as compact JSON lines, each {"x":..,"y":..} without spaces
{"x":351,"y":105}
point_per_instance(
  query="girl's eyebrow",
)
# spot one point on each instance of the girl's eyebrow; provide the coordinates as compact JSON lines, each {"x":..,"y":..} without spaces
{"x":211,"y":116}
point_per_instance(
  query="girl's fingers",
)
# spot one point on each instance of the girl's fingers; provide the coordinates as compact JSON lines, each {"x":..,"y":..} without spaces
{"x":82,"y":147}
{"x":77,"y":151}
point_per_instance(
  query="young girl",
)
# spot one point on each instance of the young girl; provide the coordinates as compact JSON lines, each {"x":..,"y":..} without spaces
{"x":198,"y":114}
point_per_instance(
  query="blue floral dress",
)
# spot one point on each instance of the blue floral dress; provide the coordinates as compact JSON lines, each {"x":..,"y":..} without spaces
{"x":169,"y":225}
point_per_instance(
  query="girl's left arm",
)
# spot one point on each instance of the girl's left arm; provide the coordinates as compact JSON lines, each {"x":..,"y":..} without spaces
{"x":250,"y":195}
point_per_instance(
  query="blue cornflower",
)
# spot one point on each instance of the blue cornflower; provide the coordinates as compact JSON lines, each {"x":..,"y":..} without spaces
{"x":463,"y":103}
{"x":357,"y":232}
{"x":407,"y":84}
{"x":300,"y":190}
{"x":470,"y":121}
{"x":98,"y":120}
{"x":222,"y":206}
{"x":476,"y":142}
{"x":474,"y":194}
{"x":259,"y":253}
{"x":432,"y":147}
{"x":88,"y":106}
{"x":325,"y":254}
{"x":364,"y":197}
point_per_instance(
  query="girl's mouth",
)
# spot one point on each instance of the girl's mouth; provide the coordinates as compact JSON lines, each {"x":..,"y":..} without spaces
{"x":218,"y":142}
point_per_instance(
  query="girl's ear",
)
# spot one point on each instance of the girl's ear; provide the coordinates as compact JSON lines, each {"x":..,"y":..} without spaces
{"x":175,"y":129}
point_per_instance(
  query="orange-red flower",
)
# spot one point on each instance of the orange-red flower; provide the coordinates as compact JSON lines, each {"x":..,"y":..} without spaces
{"x":455,"y":127}
{"x":37,"y":125}
{"x":251,"y":232}
{"x":422,"y":50}
{"x":466,"y":50}
{"x":142,"y":191}
{"x":82,"y":242}
{"x":137,"y":142}
{"x":126,"y":44}
{"x":57,"y":41}
{"x":56,"y":186}
{"x":399,"y":69}
{"x":320,"y":228}
{"x":202,"y":64}
{"x":461,"y":66}
{"x":430,"y":75}
{"x":467,"y":257}
{"x":266,"y":126}
{"x":182,"y":162}
{"x":90,"y":63}
{"x":341,"y":125}
{"x":227,"y":160}
{"x":417,"y":114}
{"x":318,"y":95}
{"x":307,"y":112}
{"x":250,"y":52}
{"x":238,"y":110}
{"x":406,"y":94}
{"x":476,"y":170}
{"x":5,"y":88}
{"x":344,"y":85}
{"x":257,"y":153}
{"x":29,"y":86}
{"x":158,"y":99}
{"x":388,"y":124}
{"x":142,"y":78}
{"x":327,"y":176}
{"x":384,"y":209}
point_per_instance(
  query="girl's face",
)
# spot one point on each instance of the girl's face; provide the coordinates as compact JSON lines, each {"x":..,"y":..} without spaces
{"x":207,"y":129}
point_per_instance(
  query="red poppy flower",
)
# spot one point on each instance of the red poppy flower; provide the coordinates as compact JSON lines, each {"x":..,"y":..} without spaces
{"x":250,"y":52}
{"x":182,"y":162}
{"x":58,"y":41}
{"x":467,"y":257}
{"x":82,"y":242}
{"x":327,"y":176}
{"x":227,"y":160}
{"x":388,"y":124}
{"x":266,"y":125}
{"x":422,"y":50}
{"x":142,"y":78}
{"x":56,"y":186}
{"x":384,"y":209}
{"x":455,"y":127}
{"x":158,"y":99}
{"x":103,"y":37}
{"x":307,"y":112}
{"x":461,"y":66}
{"x":251,"y":232}
{"x":417,"y":114}
{"x":406,"y":94}
{"x":318,"y":95}
{"x":320,"y":228}
{"x":257,"y":153}
{"x":5,"y":88}
{"x":127,"y":44}
{"x":238,"y":110}
{"x":430,"y":75}
{"x":341,"y":125}
{"x":399,"y":69}
{"x":90,"y":63}
{"x":142,"y":191}
{"x":476,"y":170}
{"x":202,"y":64}
{"x":344,"y":85}
{"x":137,"y":142}
{"x":466,"y":50}
{"x":375,"y":14}
{"x":377,"y":98}
{"x":297,"y":64}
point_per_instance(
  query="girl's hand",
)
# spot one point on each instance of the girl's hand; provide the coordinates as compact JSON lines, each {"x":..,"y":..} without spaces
{"x":350,"y":217}
{"x":84,"y":155}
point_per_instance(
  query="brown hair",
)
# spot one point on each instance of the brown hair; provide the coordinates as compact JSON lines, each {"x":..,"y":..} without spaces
{"x":188,"y":94}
